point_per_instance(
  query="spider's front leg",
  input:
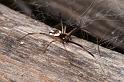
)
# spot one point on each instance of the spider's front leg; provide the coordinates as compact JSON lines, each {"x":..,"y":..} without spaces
{"x":31,"y":34}
{"x":40,"y":34}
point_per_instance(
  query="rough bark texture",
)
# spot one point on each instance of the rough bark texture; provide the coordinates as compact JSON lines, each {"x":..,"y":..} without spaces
{"x":24,"y":61}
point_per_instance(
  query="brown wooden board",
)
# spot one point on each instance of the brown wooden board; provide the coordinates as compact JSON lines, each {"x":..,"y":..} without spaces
{"x":24,"y":61}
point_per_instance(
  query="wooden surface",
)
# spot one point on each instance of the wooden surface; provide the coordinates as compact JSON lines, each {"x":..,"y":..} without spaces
{"x":24,"y":61}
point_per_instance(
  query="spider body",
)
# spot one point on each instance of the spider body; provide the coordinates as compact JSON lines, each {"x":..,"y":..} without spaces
{"x":62,"y":37}
{"x":65,"y":38}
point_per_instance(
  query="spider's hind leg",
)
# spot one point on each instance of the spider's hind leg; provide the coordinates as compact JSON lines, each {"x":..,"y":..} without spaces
{"x":82,"y":48}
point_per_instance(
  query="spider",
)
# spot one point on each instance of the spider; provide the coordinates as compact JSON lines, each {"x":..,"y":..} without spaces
{"x":62,"y":37}
{"x":66,"y":37}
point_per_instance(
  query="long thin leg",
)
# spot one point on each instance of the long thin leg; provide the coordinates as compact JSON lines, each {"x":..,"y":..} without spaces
{"x":99,"y":54}
{"x":37,"y":33}
{"x":65,"y":47}
{"x":89,"y":53}
{"x":31,"y":34}
{"x":82,"y":47}
{"x":88,"y":9}
{"x":62,"y":27}
{"x":73,"y":31}
{"x":48,"y":46}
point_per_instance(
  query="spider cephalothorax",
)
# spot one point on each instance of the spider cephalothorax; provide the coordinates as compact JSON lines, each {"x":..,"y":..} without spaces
{"x":62,"y":35}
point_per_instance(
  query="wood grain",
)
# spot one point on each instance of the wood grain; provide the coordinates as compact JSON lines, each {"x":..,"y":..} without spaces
{"x":24,"y":61}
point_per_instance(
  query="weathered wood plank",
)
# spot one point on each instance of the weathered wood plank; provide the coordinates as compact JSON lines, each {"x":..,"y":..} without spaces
{"x":24,"y":61}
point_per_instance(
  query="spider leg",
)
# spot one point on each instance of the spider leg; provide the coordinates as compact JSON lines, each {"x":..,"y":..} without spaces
{"x":65,"y":47}
{"x":82,"y":47}
{"x":48,"y":46}
{"x":62,"y":27}
{"x":90,"y":7}
{"x":31,"y":34}
{"x":89,"y":53}
{"x":38,"y":33}
{"x":72,"y":31}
